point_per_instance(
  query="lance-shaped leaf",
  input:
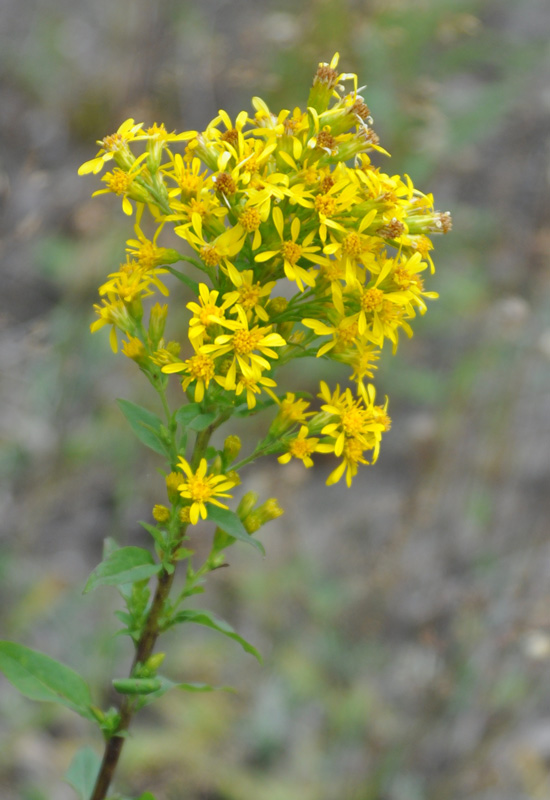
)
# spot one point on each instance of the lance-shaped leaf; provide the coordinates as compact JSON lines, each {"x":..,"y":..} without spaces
{"x":125,"y":565}
{"x":192,"y":418}
{"x":229,"y":522}
{"x":83,"y":771}
{"x":166,"y":685}
{"x":202,"y":617}
{"x":43,"y":678}
{"x":184,"y":278}
{"x":146,"y":425}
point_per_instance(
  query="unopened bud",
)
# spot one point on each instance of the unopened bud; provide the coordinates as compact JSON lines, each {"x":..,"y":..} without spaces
{"x":157,"y":322}
{"x":252,"y":523}
{"x":247,"y":504}
{"x":161,"y":513}
{"x":234,"y":476}
{"x":184,"y":515}
{"x":277,"y":305}
{"x":231,"y":449}
{"x":153,"y":663}
{"x":173,"y":480}
{"x":270,"y":510}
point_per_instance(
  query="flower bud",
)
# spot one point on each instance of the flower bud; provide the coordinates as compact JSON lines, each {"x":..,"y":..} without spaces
{"x":184,"y":515}
{"x":152,"y":664}
{"x":173,"y":480}
{"x":161,"y":513}
{"x":252,"y":523}
{"x":231,"y":449}
{"x":135,"y":350}
{"x":247,"y":504}
{"x":234,"y":476}
{"x":157,"y":322}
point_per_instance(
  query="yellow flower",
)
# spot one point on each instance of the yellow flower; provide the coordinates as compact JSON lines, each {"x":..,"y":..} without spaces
{"x":146,"y":252}
{"x":242,"y":343}
{"x":124,"y":183}
{"x":200,"y":368}
{"x":291,"y":251}
{"x":303,"y":448}
{"x":251,"y":295}
{"x":251,"y":383}
{"x":202,"y":488}
{"x":114,"y":146}
{"x":206,"y":313}
{"x":215,"y":252}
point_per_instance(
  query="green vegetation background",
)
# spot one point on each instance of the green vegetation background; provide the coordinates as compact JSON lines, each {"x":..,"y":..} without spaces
{"x":404,"y":623}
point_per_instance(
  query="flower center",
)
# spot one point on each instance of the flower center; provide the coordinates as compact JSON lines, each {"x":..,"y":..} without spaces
{"x":210,"y":255}
{"x":372,"y":300}
{"x":326,"y":140}
{"x":147,"y":255}
{"x":250,"y":220}
{"x":353,"y":420}
{"x":324,"y":204}
{"x":225,"y":183}
{"x":113,"y":142}
{"x":291,"y":252}
{"x":231,"y":136}
{"x":118,"y":181}
{"x":352,"y":245}
{"x":201,"y":367}
{"x":301,"y":448}
{"x":245,"y":342}
{"x":207,"y":311}
{"x":353,"y":449}
{"x":199,"y":489}
{"x":189,"y":183}
{"x":249,"y":294}
{"x":347,"y":334}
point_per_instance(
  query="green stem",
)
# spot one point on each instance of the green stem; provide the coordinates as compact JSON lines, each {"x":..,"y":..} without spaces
{"x":147,"y":640}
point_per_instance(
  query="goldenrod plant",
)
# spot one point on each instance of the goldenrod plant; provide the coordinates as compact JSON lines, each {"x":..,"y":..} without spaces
{"x":294,"y":246}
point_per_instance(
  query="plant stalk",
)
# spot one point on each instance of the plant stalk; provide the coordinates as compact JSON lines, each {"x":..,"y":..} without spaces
{"x":144,"y":650}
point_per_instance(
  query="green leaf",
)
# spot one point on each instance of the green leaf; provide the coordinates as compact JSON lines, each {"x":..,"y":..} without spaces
{"x":186,"y":413}
{"x":83,"y":771}
{"x":125,"y":565}
{"x":158,"y":536}
{"x":184,"y":279}
{"x":229,"y":522}
{"x":202,"y":617}
{"x":167,"y":685}
{"x":146,"y":425}
{"x":43,"y":678}
{"x":202,"y":421}
{"x":136,"y":685}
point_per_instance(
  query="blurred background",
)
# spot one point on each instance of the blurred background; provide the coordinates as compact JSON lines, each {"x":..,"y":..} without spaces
{"x":405,"y":623}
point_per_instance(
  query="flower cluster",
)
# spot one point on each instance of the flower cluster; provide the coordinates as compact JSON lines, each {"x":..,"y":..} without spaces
{"x":297,"y":245}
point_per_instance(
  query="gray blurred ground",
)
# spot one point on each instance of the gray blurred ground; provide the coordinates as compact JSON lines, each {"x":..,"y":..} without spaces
{"x":405,"y":623}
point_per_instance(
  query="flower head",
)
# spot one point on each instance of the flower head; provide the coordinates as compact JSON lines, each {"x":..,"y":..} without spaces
{"x":200,"y":488}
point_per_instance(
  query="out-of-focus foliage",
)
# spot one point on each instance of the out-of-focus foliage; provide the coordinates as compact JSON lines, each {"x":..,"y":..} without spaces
{"x":404,"y":630}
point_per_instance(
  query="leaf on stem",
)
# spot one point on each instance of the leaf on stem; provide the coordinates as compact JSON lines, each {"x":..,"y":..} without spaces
{"x":125,"y":565}
{"x":230,"y":523}
{"x":146,"y":425}
{"x":83,"y":771}
{"x":184,"y":279}
{"x":167,"y":685}
{"x":202,"y":617}
{"x":191,"y":417}
{"x":40,"y":677}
